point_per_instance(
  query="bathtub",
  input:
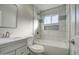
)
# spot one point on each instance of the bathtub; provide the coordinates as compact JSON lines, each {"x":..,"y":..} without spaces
{"x":53,"y":47}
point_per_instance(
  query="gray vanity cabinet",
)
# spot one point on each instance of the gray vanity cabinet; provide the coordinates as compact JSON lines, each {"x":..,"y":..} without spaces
{"x":14,"y":48}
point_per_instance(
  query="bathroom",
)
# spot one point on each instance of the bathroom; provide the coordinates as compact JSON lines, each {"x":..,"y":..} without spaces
{"x":35,"y":29}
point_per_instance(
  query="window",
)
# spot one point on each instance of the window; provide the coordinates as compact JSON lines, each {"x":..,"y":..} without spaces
{"x":47,"y":20}
{"x":51,"y":22}
{"x":51,"y":19}
{"x":54,"y":19}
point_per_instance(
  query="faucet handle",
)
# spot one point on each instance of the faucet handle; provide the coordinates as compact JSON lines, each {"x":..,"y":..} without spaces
{"x":3,"y":35}
{"x":7,"y":34}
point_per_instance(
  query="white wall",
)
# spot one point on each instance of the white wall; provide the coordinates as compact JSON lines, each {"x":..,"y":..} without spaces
{"x":36,"y":23}
{"x":24,"y":22}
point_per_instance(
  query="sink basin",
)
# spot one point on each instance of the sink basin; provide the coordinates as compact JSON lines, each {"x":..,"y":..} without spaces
{"x":7,"y":40}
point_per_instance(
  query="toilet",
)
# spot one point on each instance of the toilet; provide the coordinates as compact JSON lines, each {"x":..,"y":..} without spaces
{"x":34,"y":48}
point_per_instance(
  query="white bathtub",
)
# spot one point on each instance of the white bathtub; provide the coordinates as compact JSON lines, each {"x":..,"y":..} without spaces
{"x":54,"y":47}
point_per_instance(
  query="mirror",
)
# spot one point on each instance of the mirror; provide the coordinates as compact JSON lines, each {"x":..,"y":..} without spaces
{"x":8,"y":14}
{"x":77,"y":19}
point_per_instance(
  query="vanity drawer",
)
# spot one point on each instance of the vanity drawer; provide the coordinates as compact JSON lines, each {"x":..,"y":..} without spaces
{"x":10,"y":53}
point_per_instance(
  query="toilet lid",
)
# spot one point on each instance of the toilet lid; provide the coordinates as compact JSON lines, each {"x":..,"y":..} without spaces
{"x":37,"y":48}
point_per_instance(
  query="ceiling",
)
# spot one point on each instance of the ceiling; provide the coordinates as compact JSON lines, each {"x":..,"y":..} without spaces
{"x":43,"y":7}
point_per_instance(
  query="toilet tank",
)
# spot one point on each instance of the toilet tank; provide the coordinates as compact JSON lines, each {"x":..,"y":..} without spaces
{"x":30,"y":41}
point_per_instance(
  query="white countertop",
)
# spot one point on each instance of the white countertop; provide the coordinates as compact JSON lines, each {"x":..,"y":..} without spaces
{"x":12,"y":39}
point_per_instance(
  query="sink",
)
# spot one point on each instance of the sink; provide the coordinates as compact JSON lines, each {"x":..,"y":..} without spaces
{"x":11,"y":39}
{"x":7,"y":40}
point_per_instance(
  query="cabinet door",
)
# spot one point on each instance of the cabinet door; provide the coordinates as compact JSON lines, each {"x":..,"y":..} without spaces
{"x":10,"y":53}
{"x":21,"y":51}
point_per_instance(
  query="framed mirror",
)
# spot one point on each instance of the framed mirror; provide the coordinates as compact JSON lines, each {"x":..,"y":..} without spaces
{"x":77,"y":19}
{"x":8,"y":16}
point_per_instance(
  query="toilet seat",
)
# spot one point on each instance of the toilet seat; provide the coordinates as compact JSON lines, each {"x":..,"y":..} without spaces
{"x":37,"y":48}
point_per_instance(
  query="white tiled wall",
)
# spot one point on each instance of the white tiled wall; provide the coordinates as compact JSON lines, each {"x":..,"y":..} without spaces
{"x":56,"y":35}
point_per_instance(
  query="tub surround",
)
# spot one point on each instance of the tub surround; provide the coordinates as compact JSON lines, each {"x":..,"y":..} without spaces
{"x":54,"y":41}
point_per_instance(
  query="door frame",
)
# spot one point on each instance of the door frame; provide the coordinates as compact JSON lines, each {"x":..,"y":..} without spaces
{"x":72,"y":27}
{"x":68,"y":25}
{"x":69,"y":20}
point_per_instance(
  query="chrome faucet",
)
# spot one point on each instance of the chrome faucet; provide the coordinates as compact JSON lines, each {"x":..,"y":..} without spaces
{"x":7,"y":35}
